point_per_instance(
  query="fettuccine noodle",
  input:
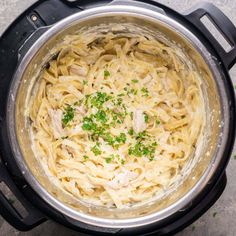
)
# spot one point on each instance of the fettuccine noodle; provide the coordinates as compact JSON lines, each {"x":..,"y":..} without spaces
{"x":115,"y":119}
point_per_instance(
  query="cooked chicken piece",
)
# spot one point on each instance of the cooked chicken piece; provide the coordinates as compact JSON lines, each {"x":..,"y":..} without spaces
{"x":79,"y":70}
{"x":122,"y":179}
{"x":139,"y":124}
{"x":56,"y":116}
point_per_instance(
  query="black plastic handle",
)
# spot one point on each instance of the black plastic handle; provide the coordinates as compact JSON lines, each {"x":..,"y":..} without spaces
{"x":10,"y":213}
{"x":222,"y":23}
{"x":14,"y":42}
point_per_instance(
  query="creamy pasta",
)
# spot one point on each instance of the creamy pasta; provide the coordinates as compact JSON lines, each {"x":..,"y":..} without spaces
{"x":116,"y":118}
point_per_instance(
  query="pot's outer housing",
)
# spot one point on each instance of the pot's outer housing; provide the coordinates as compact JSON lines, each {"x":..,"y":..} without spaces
{"x":218,"y":126}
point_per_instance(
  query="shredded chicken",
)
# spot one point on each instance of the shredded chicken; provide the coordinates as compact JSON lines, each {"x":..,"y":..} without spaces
{"x":79,"y":70}
{"x":122,"y":180}
{"x":56,"y":116}
{"x":76,"y":130}
{"x":147,"y":79}
{"x":139,"y":124}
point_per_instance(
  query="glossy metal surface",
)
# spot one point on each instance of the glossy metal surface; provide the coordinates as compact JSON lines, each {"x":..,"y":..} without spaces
{"x":211,"y":152}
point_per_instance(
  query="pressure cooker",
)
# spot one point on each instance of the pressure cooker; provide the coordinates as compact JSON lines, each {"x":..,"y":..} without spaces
{"x":24,"y":47}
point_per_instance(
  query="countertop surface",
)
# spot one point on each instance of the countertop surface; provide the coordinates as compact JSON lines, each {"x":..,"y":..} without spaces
{"x":219,"y":220}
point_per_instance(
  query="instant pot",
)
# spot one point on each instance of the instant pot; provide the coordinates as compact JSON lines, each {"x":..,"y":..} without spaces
{"x":23,"y":50}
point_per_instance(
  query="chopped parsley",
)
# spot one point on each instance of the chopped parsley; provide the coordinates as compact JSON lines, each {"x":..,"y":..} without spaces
{"x":68,"y":115}
{"x":135,"y":81}
{"x":97,"y":99}
{"x":136,"y":150}
{"x":86,"y":157}
{"x":119,"y":121}
{"x":115,"y":141}
{"x":109,"y":139}
{"x":134,"y":91}
{"x":141,"y":135}
{"x":121,"y":95}
{"x":131,"y":131}
{"x":101,"y":116}
{"x":99,"y":122}
{"x":140,"y":149}
{"x":119,"y":101}
{"x":88,"y":124}
{"x":146,"y":118}
{"x":115,"y":117}
{"x":110,"y":159}
{"x":65,"y":137}
{"x":85,"y":82}
{"x":145,"y":92}
{"x":95,"y":149}
{"x":158,"y":122}
{"x":121,"y":138}
{"x":106,"y":73}
{"x":131,"y":91}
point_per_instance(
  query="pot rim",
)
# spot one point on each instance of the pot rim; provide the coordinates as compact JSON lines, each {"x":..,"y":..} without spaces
{"x":11,"y":119}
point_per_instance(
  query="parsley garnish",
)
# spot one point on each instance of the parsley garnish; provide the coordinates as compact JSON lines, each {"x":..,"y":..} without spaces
{"x":141,"y":135}
{"x":136,"y":150}
{"x":121,"y":95}
{"x":86,"y":157}
{"x":146,"y":118}
{"x":106,"y":73}
{"x":68,"y":115}
{"x":98,"y":99}
{"x":88,"y":124}
{"x":95,"y":149}
{"x":99,"y":124}
{"x":119,"y":121}
{"x":131,"y":91}
{"x":110,"y":159}
{"x":145,"y":92}
{"x":101,"y":116}
{"x":158,"y":122}
{"x":139,"y":150}
{"x":134,"y":80}
{"x":85,"y":82}
{"x":131,"y":131}
{"x":109,"y":139}
{"x":119,"y":101}
{"x":121,"y":138}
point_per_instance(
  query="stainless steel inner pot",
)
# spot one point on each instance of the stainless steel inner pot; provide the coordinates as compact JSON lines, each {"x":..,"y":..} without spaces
{"x":217,"y":122}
